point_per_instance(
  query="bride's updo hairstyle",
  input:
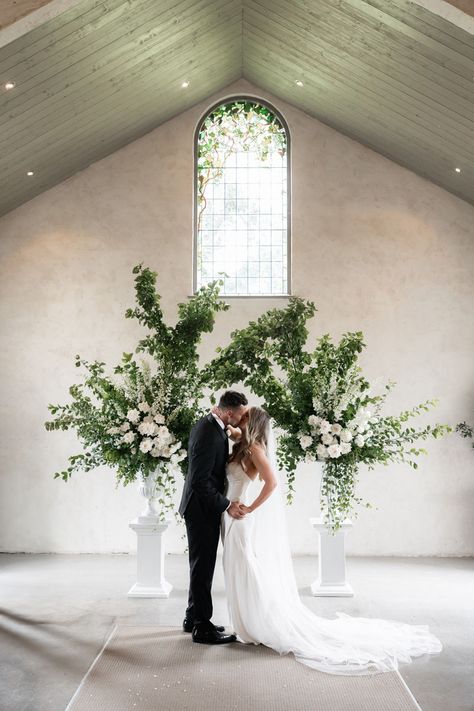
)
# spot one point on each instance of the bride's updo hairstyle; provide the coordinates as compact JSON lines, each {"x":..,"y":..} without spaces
{"x":258,"y":425}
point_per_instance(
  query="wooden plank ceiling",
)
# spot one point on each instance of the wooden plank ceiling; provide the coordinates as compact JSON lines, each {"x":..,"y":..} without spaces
{"x":464,"y":5}
{"x":388,"y":73}
{"x":13,"y":11}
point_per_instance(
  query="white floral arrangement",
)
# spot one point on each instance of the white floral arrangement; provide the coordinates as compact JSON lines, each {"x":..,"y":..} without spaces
{"x":145,"y":429}
{"x":331,"y":440}
{"x":129,"y":423}
{"x":343,"y":427}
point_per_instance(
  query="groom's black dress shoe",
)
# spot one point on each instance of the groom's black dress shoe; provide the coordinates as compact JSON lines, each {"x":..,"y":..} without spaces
{"x":207,"y":633}
{"x":189,"y":624}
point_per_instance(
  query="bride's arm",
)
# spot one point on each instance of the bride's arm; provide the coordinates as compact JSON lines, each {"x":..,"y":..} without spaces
{"x":261,"y":463}
{"x":235,"y":433}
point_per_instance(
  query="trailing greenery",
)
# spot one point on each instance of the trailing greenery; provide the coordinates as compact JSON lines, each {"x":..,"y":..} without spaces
{"x":321,"y":403}
{"x":138,"y":420}
{"x":465,"y":430}
{"x":236,"y":125}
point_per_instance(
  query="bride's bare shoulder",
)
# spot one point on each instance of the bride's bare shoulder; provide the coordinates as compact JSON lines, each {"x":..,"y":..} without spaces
{"x":257,"y":450}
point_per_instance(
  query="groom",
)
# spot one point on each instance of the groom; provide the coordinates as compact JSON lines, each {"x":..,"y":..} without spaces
{"x":202,"y":505}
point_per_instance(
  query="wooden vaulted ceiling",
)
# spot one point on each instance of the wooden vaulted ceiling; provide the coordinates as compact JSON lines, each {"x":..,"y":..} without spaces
{"x":389,"y":73}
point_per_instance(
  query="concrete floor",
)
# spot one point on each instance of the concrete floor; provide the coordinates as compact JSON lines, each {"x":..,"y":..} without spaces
{"x":56,"y":612}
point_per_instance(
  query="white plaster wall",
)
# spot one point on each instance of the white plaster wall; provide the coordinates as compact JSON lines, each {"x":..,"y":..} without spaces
{"x":376,"y":247}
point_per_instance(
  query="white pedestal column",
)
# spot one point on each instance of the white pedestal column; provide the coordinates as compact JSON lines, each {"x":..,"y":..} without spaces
{"x":332,"y":561}
{"x":150,"y":558}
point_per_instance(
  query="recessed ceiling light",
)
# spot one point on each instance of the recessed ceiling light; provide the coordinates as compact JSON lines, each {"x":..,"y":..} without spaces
{"x":9,"y":85}
{"x":458,"y":170}
{"x":30,"y":172}
{"x":298,"y":82}
{"x":185,"y":84}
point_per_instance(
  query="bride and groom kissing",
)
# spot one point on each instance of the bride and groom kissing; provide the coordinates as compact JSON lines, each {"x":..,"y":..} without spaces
{"x":262,"y":596}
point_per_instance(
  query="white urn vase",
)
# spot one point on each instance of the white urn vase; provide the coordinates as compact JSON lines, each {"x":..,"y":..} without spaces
{"x":150,"y":527}
{"x":147,"y":486}
{"x":331,"y":580}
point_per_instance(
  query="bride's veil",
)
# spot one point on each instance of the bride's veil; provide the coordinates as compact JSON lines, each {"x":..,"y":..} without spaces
{"x":270,"y":534}
{"x":346,"y":645}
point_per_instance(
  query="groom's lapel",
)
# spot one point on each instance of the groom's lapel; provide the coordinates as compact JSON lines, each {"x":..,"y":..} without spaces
{"x":222,"y":432}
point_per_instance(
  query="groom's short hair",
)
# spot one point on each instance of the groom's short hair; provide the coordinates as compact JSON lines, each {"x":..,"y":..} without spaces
{"x":231,"y":400}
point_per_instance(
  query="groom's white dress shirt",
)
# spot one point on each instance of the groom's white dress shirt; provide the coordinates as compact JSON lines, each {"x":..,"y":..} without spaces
{"x":223,"y":427}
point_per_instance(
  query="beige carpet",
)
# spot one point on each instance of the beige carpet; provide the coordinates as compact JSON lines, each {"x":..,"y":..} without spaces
{"x":160,"y":669}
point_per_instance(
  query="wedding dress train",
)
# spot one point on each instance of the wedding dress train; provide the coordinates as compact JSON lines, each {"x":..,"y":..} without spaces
{"x":265,"y":608}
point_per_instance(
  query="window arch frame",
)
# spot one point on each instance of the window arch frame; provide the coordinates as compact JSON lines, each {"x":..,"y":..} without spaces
{"x":228,"y":100}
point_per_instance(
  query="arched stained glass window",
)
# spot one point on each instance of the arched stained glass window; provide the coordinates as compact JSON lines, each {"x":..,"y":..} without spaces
{"x":242,"y":199}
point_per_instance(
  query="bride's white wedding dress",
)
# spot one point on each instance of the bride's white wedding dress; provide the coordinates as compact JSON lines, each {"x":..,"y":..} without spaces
{"x":265,"y":608}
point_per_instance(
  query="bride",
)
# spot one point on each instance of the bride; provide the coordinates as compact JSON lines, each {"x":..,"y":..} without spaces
{"x":262,"y":597}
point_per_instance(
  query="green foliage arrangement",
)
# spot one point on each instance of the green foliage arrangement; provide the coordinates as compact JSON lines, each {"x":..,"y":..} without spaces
{"x":321,"y":402}
{"x":138,"y":420}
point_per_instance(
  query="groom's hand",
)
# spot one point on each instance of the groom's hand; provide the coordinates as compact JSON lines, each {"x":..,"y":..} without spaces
{"x":234,"y":510}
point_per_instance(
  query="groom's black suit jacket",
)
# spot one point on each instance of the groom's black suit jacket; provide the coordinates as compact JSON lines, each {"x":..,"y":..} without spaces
{"x":208,"y":450}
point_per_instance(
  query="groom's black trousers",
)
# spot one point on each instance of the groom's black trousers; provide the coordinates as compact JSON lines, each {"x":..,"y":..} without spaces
{"x":203,"y":540}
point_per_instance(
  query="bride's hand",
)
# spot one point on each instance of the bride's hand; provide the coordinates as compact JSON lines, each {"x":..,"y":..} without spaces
{"x":245,"y":509}
{"x":235,"y":433}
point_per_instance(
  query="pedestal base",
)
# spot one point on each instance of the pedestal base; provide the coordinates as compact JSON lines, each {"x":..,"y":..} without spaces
{"x":318,"y":589}
{"x":150,"y":558}
{"x":162,"y":590}
{"x":331,"y":581}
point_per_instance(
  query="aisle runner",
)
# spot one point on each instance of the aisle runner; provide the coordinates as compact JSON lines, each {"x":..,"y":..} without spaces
{"x":143,"y":668}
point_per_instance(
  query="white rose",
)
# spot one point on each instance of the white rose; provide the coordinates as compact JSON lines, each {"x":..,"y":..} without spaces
{"x":322,"y":451}
{"x":148,"y":418}
{"x":362,"y":426}
{"x":359,"y":440}
{"x":336,"y":428}
{"x":164,"y":434}
{"x":328,"y":439}
{"x":334,"y":451}
{"x":174,"y":447}
{"x":345,"y":436}
{"x":147,"y":428}
{"x":305,"y":441}
{"x":144,"y":406}
{"x":165,"y":451}
{"x":125,"y":427}
{"x":159,"y":418}
{"x":146,"y":445}
{"x":128,"y":437}
{"x":314,"y":420}
{"x":345,"y":447}
{"x":133,"y":415}
{"x":325,"y":426}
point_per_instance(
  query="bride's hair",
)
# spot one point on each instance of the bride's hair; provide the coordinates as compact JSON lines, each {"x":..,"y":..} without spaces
{"x":257,"y":431}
